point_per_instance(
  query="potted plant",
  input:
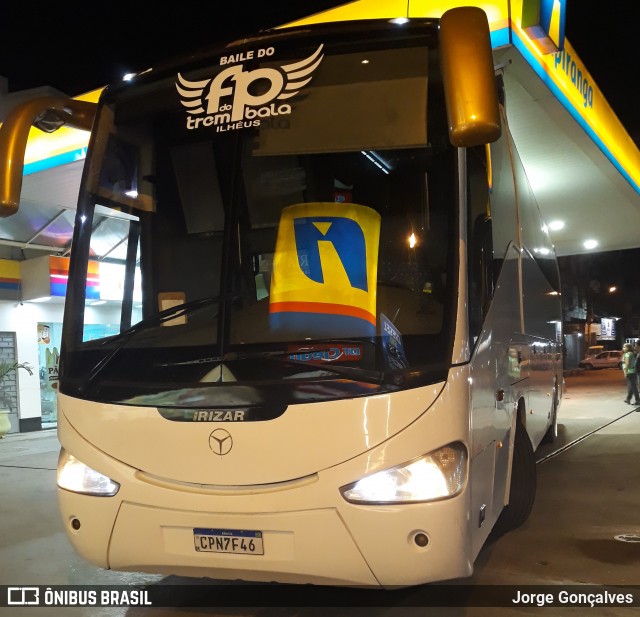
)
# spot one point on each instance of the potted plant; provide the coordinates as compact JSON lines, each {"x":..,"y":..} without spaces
{"x":6,"y":369}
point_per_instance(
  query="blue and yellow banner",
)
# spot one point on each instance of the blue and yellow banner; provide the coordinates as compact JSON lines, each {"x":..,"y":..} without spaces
{"x":9,"y":279}
{"x":325,"y":270}
{"x":552,"y":19}
{"x":59,"y":275}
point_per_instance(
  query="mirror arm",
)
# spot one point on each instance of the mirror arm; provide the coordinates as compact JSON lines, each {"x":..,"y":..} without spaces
{"x":46,"y":113}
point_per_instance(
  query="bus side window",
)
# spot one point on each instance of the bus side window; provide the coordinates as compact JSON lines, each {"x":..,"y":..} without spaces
{"x":483,"y":280}
{"x":480,"y":246}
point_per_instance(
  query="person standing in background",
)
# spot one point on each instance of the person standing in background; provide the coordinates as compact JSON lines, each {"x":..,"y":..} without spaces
{"x":636,"y":350}
{"x":629,"y":369}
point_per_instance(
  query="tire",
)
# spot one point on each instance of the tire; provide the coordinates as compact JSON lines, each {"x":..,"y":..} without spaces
{"x":523,"y":483}
{"x":588,"y":367}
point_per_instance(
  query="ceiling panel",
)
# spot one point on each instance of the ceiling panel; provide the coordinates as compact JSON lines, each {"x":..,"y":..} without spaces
{"x":571,"y":177}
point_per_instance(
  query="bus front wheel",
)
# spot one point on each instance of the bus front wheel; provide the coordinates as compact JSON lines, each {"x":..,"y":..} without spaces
{"x":522,"y":490}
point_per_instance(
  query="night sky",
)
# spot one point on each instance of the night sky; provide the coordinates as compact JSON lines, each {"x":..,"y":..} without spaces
{"x":74,"y":48}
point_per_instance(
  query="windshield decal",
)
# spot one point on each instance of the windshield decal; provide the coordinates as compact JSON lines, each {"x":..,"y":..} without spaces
{"x":325,"y":265}
{"x":228,"y":101}
{"x":392,"y":347}
{"x":327,"y":353}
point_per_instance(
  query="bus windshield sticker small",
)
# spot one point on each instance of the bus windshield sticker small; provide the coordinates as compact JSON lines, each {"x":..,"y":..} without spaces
{"x":392,"y":347}
{"x":326,"y":353}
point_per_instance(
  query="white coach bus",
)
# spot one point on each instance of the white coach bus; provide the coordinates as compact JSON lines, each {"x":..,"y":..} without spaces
{"x":338,"y":343}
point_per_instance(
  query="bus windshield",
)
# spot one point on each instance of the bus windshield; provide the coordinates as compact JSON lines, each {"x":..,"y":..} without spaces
{"x":273,"y":222}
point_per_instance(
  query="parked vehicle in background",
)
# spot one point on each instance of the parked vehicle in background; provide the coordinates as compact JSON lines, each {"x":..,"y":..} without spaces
{"x":605,"y":359}
{"x":593,"y":351}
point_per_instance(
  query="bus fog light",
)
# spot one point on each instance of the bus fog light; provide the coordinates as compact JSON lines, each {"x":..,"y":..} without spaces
{"x":421,"y":539}
{"x":75,"y":476}
{"x":438,"y":475}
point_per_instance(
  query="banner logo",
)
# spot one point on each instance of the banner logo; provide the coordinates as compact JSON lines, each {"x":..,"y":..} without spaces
{"x":347,"y":239}
{"x":236,"y":98}
{"x":325,"y":270}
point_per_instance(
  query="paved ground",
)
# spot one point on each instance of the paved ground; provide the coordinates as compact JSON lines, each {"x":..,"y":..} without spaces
{"x":588,"y":495}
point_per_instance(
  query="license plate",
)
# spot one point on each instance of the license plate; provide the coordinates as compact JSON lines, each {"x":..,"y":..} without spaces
{"x":238,"y":541}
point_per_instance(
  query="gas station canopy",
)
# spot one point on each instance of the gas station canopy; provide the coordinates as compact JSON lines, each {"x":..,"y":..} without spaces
{"x":582,"y":165}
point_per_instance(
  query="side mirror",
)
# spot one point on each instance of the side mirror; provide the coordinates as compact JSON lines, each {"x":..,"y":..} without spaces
{"x":469,"y":78}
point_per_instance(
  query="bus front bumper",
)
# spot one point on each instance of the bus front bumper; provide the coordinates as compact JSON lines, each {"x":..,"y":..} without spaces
{"x":342,"y":544}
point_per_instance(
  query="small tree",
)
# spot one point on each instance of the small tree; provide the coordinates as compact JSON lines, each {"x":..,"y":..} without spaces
{"x":6,"y":368}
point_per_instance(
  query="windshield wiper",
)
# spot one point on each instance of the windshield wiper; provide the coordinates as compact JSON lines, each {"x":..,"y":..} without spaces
{"x":157,"y":319}
{"x":171,"y":313}
{"x":354,"y":373}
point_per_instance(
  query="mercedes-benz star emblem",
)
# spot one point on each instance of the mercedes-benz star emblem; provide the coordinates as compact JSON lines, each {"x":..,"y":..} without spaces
{"x":220,"y":442}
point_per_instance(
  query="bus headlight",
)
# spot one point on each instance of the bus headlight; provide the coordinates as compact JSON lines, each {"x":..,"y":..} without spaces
{"x":438,"y":475}
{"x":75,"y":476}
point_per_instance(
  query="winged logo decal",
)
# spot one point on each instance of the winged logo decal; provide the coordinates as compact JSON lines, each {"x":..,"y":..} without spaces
{"x":191,"y":94}
{"x":299,"y":73}
{"x":229,"y":101}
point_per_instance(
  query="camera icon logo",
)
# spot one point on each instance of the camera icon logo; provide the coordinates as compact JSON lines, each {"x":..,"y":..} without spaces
{"x":23,"y":596}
